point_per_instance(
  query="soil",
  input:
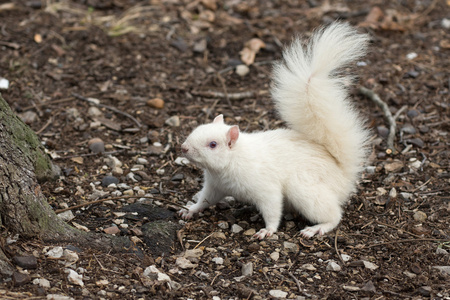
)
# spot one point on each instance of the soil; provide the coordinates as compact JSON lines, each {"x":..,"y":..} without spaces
{"x":123,"y":53}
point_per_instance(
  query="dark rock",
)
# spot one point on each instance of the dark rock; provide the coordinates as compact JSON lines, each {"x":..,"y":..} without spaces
{"x":73,"y":248}
{"x":369,"y":287}
{"x":425,"y":291}
{"x":383,"y":131}
{"x":26,"y":262}
{"x":178,"y":177}
{"x":424,"y":128}
{"x":147,"y":211}
{"x":412,"y":74}
{"x":416,"y":269}
{"x":160,"y":236}
{"x":253,"y":247}
{"x":409,"y":129}
{"x":416,"y":142}
{"x":20,"y":279}
{"x":154,"y":191}
{"x":96,"y":145}
{"x":107,"y":180}
{"x":180,"y":44}
{"x":412,"y":113}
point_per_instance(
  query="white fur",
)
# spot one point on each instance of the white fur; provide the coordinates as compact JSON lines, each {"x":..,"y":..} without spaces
{"x":312,"y":167}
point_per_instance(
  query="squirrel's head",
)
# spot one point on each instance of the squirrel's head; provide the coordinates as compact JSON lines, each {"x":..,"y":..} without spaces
{"x":211,"y":145}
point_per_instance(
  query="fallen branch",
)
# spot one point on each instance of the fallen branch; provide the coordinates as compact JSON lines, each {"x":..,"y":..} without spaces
{"x":108,"y":107}
{"x":387,"y":115}
{"x":118,"y":198}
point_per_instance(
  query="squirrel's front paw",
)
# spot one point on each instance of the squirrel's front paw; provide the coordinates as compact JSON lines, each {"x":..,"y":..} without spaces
{"x":263,"y":233}
{"x":185,"y":214}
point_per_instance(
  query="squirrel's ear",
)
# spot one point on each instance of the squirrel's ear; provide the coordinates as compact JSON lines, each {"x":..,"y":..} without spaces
{"x":232,"y":136}
{"x":218,"y":119}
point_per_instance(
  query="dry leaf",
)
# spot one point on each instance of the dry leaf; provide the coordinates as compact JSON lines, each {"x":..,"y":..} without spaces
{"x":78,"y":160}
{"x":373,"y":18}
{"x":445,"y":44}
{"x":251,"y":47}
{"x":210,"y":4}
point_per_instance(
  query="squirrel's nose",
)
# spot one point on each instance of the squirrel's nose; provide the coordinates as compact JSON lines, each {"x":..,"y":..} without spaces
{"x":184,"y":148}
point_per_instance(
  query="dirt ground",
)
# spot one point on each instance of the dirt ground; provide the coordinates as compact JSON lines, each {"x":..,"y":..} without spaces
{"x":393,"y":241}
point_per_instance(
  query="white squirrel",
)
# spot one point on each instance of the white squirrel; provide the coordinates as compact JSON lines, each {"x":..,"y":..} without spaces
{"x":312,"y":166}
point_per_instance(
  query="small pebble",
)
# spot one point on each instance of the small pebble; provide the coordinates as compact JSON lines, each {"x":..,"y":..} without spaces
{"x":416,"y":142}
{"x":247,"y":269}
{"x":4,"y":83}
{"x":223,"y":225}
{"x":156,"y":103}
{"x":383,"y":131}
{"x":409,"y":129}
{"x":94,"y":112}
{"x":275,"y":255}
{"x":20,"y":279}
{"x":412,"y":113}
{"x":178,"y":177}
{"x":420,"y":216}
{"x":235,"y":228}
{"x":173,"y":121}
{"x":333,"y":266}
{"x":218,"y":260}
{"x":108,"y":180}
{"x":25,"y":262}
{"x":278,"y":294}
{"x":242,"y":70}
{"x":290,"y":247}
{"x":96,"y":145}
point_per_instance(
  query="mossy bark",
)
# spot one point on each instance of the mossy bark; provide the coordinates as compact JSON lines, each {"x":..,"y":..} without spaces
{"x":23,"y":207}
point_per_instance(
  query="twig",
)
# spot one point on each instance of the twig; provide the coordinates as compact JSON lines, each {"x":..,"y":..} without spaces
{"x":297,"y":282}
{"x":387,"y":115}
{"x":108,"y":107}
{"x":201,"y":242}
{"x":405,"y":241}
{"x":399,"y":229}
{"x":336,"y":247}
{"x":231,"y":96}
{"x":117,"y":198}
{"x":222,"y":81}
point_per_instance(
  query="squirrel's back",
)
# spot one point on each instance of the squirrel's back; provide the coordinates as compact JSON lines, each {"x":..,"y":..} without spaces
{"x":310,"y":93}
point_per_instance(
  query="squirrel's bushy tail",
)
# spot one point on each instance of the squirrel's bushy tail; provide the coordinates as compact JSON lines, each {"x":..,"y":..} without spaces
{"x":311,"y":95}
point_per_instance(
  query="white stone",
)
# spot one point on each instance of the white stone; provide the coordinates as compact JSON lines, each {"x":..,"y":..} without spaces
{"x":346,"y":257}
{"x":223,"y":225}
{"x":443,"y":269}
{"x":184,"y":263}
{"x":235,"y":228}
{"x":66,"y":216}
{"x":275,"y":255}
{"x":42,"y":282}
{"x":247,"y":269}
{"x":74,"y":277}
{"x":309,"y":267}
{"x":411,"y":55}
{"x":70,"y":256}
{"x":218,"y":260}
{"x":141,"y":161}
{"x":94,"y":112}
{"x":58,"y":297}
{"x":369,"y":265}
{"x":173,"y":121}
{"x":160,"y":275}
{"x":56,"y":252}
{"x":4,"y":83}
{"x":333,"y":266}
{"x":195,"y":253}
{"x":278,"y":294}
{"x":181,"y":161}
{"x":242,"y":70}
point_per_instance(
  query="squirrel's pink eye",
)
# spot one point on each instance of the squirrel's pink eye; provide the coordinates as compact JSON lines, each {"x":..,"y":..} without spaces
{"x":212,"y":145}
